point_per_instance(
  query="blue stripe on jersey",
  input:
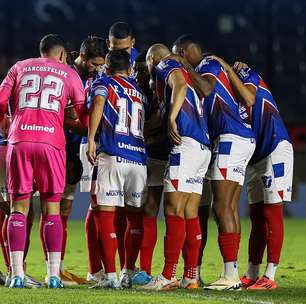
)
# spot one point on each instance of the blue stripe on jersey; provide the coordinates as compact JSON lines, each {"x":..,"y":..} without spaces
{"x":190,"y":120}
{"x":221,"y":106}
{"x":267,"y":124}
{"x":123,"y":116}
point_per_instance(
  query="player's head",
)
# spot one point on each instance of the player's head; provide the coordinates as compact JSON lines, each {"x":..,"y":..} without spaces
{"x":117,"y":62}
{"x":140,"y":70}
{"x":189,"y":48}
{"x":120,"y":37}
{"x":92,"y":55}
{"x":53,"y":46}
{"x":155,"y":54}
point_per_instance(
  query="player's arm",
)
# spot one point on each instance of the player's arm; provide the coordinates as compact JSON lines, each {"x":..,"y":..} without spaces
{"x":177,"y":82}
{"x":73,"y":123}
{"x":6,"y":88}
{"x":203,"y":85}
{"x":245,"y":93}
{"x":95,"y":116}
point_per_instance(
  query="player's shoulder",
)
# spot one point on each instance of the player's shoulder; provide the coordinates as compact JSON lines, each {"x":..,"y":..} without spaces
{"x":168,"y":64}
{"x":104,"y":81}
{"x":209,"y":65}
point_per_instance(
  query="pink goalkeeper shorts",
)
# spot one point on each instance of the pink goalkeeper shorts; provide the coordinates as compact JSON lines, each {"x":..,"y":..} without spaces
{"x":29,"y":162}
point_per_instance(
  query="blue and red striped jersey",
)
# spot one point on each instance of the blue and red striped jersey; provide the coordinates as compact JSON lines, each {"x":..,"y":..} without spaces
{"x":123,"y":118}
{"x":267,"y":124}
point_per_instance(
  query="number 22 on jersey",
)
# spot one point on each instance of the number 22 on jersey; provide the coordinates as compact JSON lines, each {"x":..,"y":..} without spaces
{"x":40,"y":92}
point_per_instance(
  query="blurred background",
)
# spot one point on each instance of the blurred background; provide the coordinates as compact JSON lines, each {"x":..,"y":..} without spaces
{"x":269,"y":35}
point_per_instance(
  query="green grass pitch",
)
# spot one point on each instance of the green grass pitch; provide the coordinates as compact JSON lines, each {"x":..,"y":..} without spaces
{"x":291,"y":275}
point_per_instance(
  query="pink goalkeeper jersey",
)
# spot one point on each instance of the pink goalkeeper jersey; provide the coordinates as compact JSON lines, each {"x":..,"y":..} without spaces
{"x":40,"y":89}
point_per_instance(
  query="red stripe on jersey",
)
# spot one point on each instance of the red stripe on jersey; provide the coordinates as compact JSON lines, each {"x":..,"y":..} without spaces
{"x":263,"y":84}
{"x":127,"y":85}
{"x":224,"y":80}
{"x":112,"y":97}
{"x":185,"y":73}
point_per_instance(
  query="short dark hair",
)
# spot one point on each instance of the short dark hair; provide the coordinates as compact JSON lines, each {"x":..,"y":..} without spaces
{"x":117,"y":61}
{"x":184,"y":40}
{"x":141,"y":57}
{"x":49,"y":42}
{"x":94,"y":46}
{"x":120,"y":30}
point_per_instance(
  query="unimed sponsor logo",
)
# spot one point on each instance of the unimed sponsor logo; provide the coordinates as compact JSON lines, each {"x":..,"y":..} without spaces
{"x":26,"y":127}
{"x":114,"y":193}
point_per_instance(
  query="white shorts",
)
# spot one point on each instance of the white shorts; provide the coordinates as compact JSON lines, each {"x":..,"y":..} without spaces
{"x":69,"y":192}
{"x":118,"y":182}
{"x":187,"y":167}
{"x":156,"y":171}
{"x":230,"y":158}
{"x":85,"y":182}
{"x":270,"y":180}
{"x":4,"y":197}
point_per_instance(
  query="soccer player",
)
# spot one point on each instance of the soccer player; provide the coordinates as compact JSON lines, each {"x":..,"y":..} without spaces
{"x":269,"y":175}
{"x":120,"y":171}
{"x":40,"y":88}
{"x":233,"y":145}
{"x":121,"y":37}
{"x":188,"y":162}
{"x":155,"y":137}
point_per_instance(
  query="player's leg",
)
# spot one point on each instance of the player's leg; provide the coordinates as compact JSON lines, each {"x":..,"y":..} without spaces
{"x":279,"y":169}
{"x":192,"y":222}
{"x":156,"y":170}
{"x":120,"y":228}
{"x":95,"y":268}
{"x":51,"y":160}
{"x":18,"y":159}
{"x":107,"y":177}
{"x":204,"y":211}
{"x":135,"y":179}
{"x":232,"y":154}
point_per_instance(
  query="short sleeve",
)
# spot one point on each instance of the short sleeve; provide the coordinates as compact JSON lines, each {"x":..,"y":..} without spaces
{"x":99,"y":88}
{"x":165,"y":68}
{"x":209,"y":66}
{"x":249,"y":76}
{"x":77,"y":92}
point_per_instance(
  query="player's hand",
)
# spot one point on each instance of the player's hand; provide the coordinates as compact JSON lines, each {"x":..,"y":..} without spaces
{"x":5,"y":125}
{"x":173,"y":133}
{"x":91,"y":152}
{"x":238,"y":66}
{"x":225,"y":65}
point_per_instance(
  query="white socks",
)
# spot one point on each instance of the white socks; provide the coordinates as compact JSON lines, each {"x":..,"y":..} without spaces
{"x":270,"y":271}
{"x":53,"y":265}
{"x":253,"y":271}
{"x":231,"y":269}
{"x":111,"y":276}
{"x":17,"y":263}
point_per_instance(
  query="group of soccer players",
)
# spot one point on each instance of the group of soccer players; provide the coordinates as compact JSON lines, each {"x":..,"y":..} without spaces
{"x":176,"y":125}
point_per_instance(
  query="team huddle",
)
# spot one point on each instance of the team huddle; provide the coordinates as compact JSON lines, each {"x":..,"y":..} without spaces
{"x":136,"y":128}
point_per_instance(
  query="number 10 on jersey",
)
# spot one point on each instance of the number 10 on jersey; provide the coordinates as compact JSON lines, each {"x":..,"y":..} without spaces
{"x":136,"y":117}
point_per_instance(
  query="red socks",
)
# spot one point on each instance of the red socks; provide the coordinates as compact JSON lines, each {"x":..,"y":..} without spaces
{"x":41,"y":235}
{"x":257,"y":240}
{"x":104,"y":221}
{"x":3,"y":240}
{"x":191,"y":247}
{"x":133,"y":239}
{"x":173,"y":244}
{"x":93,"y":249}
{"x":229,"y":246}
{"x":120,"y":223}
{"x":64,"y":219}
{"x":203,"y":218}
{"x":149,"y":240}
{"x":273,"y":214}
